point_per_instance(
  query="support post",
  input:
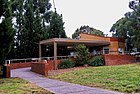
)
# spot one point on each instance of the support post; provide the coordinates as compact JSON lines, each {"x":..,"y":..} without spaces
{"x":6,"y":71}
{"x":55,"y":55}
{"x":39,"y":52}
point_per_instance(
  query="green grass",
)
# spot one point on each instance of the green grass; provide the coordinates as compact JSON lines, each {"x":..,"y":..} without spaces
{"x":19,"y":86}
{"x":125,"y":78}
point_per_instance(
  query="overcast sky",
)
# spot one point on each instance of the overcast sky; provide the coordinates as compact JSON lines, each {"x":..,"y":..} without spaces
{"x":99,"y":14}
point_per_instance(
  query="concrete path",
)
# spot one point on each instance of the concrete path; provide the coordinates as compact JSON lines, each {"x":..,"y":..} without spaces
{"x":55,"y":86}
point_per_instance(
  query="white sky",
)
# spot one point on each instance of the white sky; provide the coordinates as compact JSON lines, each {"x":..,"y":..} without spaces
{"x":99,"y":14}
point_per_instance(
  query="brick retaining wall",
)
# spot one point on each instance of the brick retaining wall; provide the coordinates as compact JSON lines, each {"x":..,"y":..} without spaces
{"x":43,"y":67}
{"x":119,"y":59}
{"x":40,"y":68}
{"x":20,"y":65}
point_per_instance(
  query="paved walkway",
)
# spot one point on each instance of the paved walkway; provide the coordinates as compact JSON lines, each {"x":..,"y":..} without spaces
{"x":55,"y":86}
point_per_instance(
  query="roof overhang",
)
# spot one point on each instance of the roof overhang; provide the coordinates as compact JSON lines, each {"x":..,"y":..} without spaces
{"x":70,"y":42}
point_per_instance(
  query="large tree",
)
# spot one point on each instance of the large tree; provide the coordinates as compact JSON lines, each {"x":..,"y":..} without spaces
{"x":56,"y":26}
{"x":121,"y":29}
{"x":129,"y":27}
{"x":134,"y":28}
{"x":30,"y":26}
{"x":6,"y":29}
{"x":87,"y":29}
{"x":34,"y":22}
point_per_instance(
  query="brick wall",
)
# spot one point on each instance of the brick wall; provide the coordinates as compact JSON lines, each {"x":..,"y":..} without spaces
{"x":20,"y":65}
{"x":51,"y":64}
{"x":43,"y":67}
{"x":40,"y":68}
{"x":119,"y":59}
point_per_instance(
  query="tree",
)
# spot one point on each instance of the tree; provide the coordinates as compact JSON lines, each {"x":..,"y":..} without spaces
{"x":86,"y":29}
{"x":82,"y":55}
{"x":129,"y":28}
{"x":121,"y":29}
{"x":33,"y":23}
{"x":30,"y":26}
{"x":56,"y":26}
{"x":134,"y":27}
{"x":18,"y":11}
{"x":33,"y":31}
{"x":133,"y":4}
{"x":6,"y":29}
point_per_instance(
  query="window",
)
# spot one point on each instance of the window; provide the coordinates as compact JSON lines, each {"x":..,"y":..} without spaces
{"x":120,"y":50}
{"x":106,"y":50}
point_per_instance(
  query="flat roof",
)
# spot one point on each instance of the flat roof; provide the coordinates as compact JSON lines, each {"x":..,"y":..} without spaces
{"x":69,"y":42}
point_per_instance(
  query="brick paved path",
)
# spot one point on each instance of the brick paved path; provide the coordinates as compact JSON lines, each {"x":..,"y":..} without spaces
{"x":55,"y":86}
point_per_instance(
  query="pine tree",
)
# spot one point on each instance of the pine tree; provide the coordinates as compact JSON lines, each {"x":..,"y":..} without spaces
{"x":30,"y":26}
{"x":6,"y":29}
{"x":26,"y":42}
{"x":56,"y":27}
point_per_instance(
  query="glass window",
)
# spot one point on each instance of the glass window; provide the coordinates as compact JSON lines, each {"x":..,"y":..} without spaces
{"x":106,"y":50}
{"x":120,"y":50}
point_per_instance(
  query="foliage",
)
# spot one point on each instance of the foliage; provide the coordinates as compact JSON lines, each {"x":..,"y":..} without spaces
{"x":135,"y":27}
{"x":32,"y":31}
{"x":133,"y":4}
{"x":82,"y":55}
{"x":29,"y":25}
{"x":124,"y":78}
{"x":97,"y":61}
{"x":66,"y":64}
{"x":6,"y":30}
{"x":19,"y":86}
{"x":56,"y":27}
{"x":87,"y":29}
{"x":33,"y":22}
{"x":128,"y":28}
{"x":121,"y":29}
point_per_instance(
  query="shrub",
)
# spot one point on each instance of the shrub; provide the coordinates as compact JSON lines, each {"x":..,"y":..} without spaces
{"x":97,"y":61}
{"x":66,"y":64}
{"x":82,"y":55}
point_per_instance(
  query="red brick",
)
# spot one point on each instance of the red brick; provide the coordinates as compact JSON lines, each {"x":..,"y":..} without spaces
{"x":42,"y":67}
{"x":20,"y":65}
{"x":119,"y":59}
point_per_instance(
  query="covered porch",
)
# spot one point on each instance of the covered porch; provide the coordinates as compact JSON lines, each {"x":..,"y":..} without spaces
{"x":68,"y":42}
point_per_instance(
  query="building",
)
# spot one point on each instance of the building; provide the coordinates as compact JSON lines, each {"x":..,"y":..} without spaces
{"x":115,"y":46}
{"x":96,"y":44}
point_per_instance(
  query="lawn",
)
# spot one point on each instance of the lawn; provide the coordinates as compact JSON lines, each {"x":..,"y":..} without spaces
{"x":125,"y":78}
{"x":19,"y":86}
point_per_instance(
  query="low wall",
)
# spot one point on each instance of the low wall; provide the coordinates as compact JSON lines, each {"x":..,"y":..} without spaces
{"x":40,"y":68}
{"x":119,"y":59}
{"x":43,"y":67}
{"x":51,"y":64}
{"x":20,"y":65}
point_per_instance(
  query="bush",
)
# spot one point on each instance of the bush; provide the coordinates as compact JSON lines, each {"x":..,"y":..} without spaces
{"x":66,"y":64}
{"x":97,"y":61}
{"x":82,"y":55}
